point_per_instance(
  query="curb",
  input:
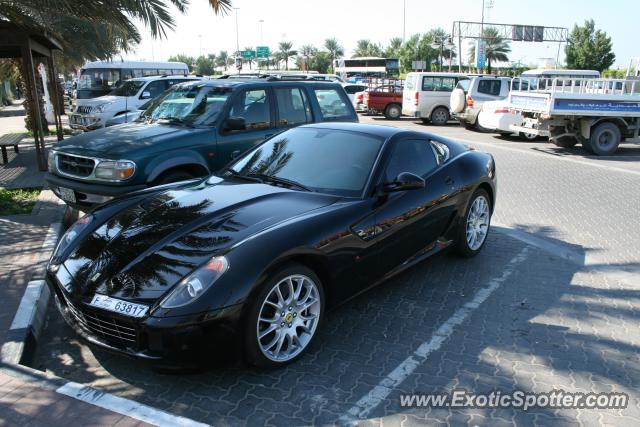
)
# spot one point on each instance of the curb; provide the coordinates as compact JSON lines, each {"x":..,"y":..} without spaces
{"x":23,"y":335}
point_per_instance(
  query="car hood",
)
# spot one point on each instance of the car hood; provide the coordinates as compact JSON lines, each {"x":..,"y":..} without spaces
{"x":144,"y":250}
{"x":100,"y":100}
{"x":119,"y":141}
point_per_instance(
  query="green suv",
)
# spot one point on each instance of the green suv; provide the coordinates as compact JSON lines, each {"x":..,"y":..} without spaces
{"x":190,"y":131}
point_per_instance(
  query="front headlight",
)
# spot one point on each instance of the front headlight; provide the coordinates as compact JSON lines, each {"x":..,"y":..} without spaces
{"x":100,"y":108}
{"x":117,"y":170}
{"x":194,"y":285}
{"x":51,"y":161}
{"x":71,"y":234}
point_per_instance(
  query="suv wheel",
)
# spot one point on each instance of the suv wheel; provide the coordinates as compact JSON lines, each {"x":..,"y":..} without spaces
{"x":440,"y":116}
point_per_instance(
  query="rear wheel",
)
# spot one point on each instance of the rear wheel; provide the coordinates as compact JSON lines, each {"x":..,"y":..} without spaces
{"x":474,"y":228}
{"x":528,"y":136}
{"x":393,"y":112}
{"x":440,"y":116}
{"x":284,"y":317}
{"x":605,"y":139}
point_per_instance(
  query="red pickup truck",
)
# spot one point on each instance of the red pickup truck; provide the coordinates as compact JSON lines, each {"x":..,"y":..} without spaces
{"x":385,"y":99}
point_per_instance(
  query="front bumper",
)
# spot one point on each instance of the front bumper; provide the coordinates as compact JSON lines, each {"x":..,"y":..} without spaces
{"x":171,"y":342}
{"x":88,"y":195}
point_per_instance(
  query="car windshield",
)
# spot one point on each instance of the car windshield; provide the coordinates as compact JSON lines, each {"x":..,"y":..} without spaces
{"x":189,"y":104}
{"x":325,"y":160}
{"x":128,"y":88}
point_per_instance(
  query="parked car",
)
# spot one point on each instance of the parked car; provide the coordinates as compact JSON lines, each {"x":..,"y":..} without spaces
{"x":495,"y":116}
{"x":384,"y":99}
{"x":128,"y":116}
{"x":426,"y":95}
{"x":467,"y":98}
{"x":352,"y":89}
{"x":190,"y":131}
{"x":94,"y":113}
{"x":256,"y":254}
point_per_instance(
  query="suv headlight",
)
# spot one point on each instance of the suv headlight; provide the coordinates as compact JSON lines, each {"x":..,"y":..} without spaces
{"x":117,"y":170}
{"x":51,"y":161}
{"x":101,"y":107}
{"x":194,"y":285}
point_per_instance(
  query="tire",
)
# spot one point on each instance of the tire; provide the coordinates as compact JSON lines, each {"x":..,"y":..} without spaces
{"x":465,"y":245}
{"x":267,"y":351}
{"x":467,"y":125}
{"x":605,"y":139}
{"x":174,"y":176}
{"x":586,"y":145}
{"x":393,"y":112}
{"x":440,"y":116}
{"x":458,"y":100}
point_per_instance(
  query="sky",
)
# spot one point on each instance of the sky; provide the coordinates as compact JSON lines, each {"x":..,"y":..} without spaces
{"x":200,"y":31}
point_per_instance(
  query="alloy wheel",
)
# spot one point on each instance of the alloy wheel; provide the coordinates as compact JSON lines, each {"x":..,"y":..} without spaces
{"x":288,"y":318}
{"x":477,"y":223}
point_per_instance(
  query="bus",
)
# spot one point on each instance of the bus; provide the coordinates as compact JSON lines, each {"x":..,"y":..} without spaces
{"x":101,"y":77}
{"x":363,"y":68}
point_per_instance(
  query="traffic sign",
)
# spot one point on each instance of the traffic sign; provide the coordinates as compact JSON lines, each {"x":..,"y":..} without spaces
{"x":248,"y":54}
{"x":262,"y":51}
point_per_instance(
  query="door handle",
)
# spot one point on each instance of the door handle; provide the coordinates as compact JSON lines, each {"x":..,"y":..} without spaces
{"x":449,"y":181}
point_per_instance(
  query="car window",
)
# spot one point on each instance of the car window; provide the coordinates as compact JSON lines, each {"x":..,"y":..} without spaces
{"x":489,"y":87}
{"x":438,"y":84}
{"x":254,"y":107}
{"x":332,"y":106}
{"x":156,"y":88}
{"x":410,"y":155}
{"x":353,"y":89}
{"x":293,"y":106}
{"x":410,"y":82}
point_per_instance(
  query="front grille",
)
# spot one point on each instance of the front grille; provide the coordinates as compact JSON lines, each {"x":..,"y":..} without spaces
{"x":77,"y":166}
{"x":114,"y":331}
{"x":84,"y":109}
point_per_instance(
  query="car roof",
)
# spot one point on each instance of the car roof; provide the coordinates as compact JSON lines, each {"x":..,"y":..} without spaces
{"x":376,"y":130}
{"x":173,"y":76}
{"x":249,"y":82}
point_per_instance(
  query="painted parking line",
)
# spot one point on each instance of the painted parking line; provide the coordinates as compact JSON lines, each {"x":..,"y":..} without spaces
{"x":379,"y":393}
{"x":125,"y":407}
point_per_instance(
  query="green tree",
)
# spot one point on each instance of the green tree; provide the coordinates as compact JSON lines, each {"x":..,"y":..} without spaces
{"x":589,"y":49}
{"x":393,"y":49}
{"x":285,"y":52}
{"x":417,"y":48}
{"x":321,"y":62}
{"x":205,"y":65}
{"x":495,"y":47}
{"x":223,"y":59}
{"x":189,"y":60}
{"x":335,"y":50}
{"x":306,"y":52}
{"x":365,"y":47}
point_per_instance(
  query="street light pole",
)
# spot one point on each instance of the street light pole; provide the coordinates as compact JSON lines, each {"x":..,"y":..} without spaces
{"x":237,"y":33}
{"x":404,"y":19}
{"x":261,"y":41}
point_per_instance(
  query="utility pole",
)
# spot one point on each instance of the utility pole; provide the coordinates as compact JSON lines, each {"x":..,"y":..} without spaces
{"x":237,"y":33}
{"x":404,"y":19}
{"x":261,"y":41}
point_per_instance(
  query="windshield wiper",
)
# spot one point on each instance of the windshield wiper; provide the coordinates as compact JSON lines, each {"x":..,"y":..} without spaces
{"x":282,"y":181}
{"x":174,"y":120}
{"x":236,"y":174}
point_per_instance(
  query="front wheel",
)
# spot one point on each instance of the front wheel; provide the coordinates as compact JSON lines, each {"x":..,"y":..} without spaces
{"x":284,"y":317}
{"x":474,"y":228}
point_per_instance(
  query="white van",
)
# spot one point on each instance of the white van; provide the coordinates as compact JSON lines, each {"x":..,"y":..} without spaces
{"x":426,"y":95}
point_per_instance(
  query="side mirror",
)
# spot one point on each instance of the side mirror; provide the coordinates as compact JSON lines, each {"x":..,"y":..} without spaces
{"x":235,"y":123}
{"x":145,"y":95}
{"x":404,"y":181}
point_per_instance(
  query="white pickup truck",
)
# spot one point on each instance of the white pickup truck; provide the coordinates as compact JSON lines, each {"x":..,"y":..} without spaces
{"x":598,"y":113}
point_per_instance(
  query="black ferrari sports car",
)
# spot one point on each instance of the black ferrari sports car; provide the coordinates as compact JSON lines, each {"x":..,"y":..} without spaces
{"x":257,"y":252}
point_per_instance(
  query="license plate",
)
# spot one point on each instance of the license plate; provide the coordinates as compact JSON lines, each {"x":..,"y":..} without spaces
{"x":67,"y":194}
{"x":119,"y":306}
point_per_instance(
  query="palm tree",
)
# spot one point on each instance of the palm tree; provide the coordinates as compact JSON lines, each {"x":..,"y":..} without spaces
{"x":248,"y":60}
{"x":335,"y":50}
{"x":222,"y":59}
{"x":307,"y":51}
{"x":393,"y":49}
{"x":495,"y":47}
{"x":286,"y":53}
{"x":365,"y":48}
